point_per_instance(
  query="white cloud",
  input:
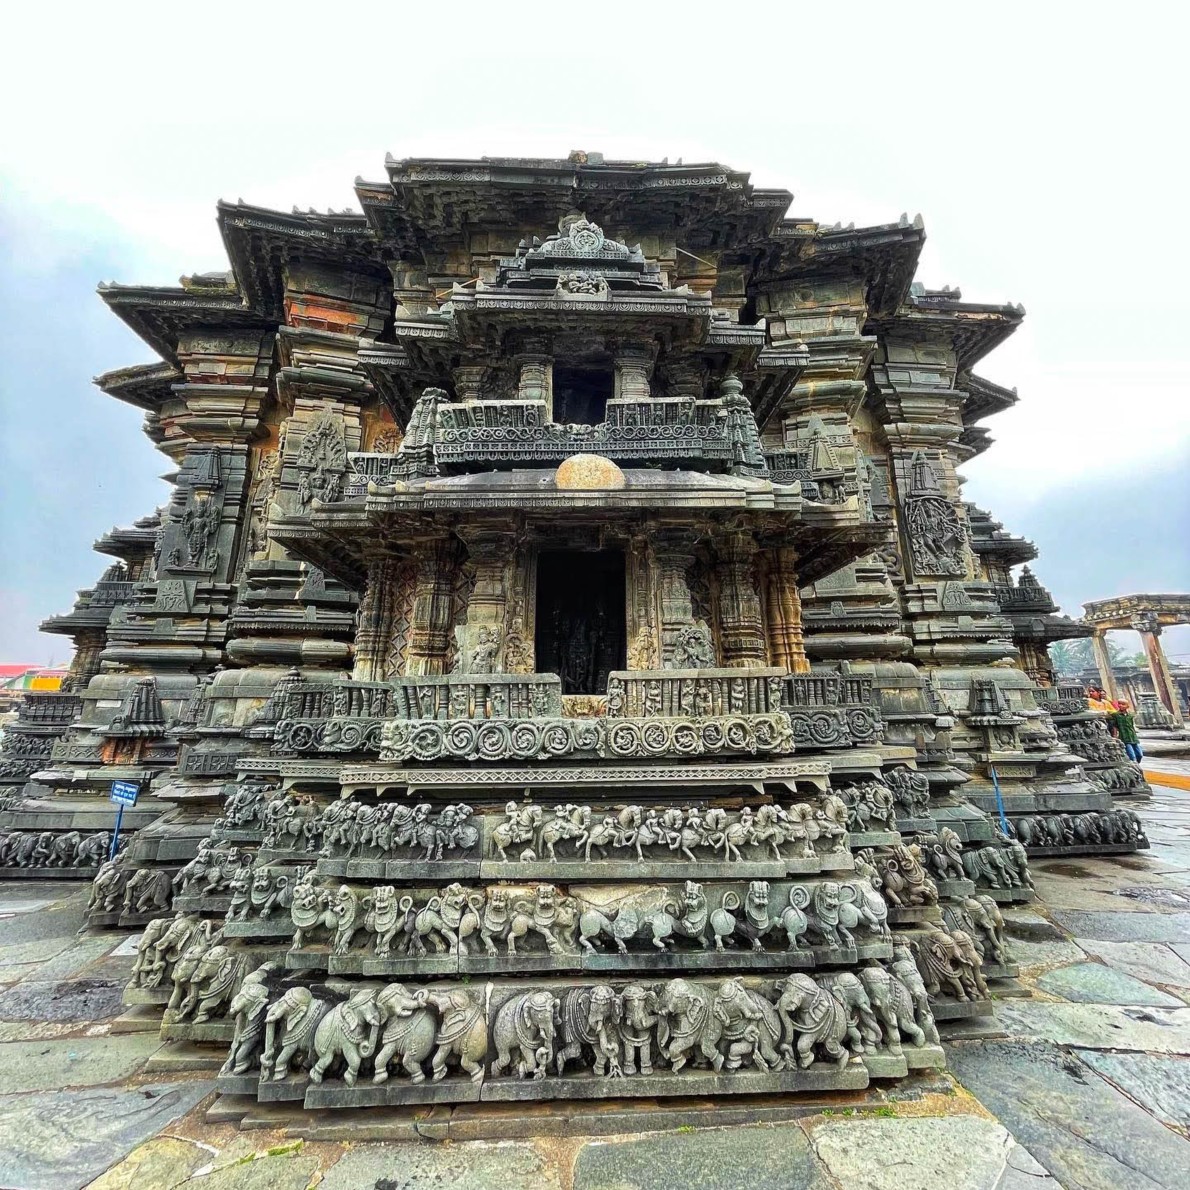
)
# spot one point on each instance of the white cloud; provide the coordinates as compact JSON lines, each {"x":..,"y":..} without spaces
{"x":1042,"y":148}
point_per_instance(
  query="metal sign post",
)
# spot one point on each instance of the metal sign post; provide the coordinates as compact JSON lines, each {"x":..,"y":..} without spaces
{"x":124,"y":793}
{"x":1000,"y":802}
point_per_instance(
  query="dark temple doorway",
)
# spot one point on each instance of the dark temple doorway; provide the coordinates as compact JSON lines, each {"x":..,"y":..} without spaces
{"x":580,"y":618}
{"x":581,"y":394}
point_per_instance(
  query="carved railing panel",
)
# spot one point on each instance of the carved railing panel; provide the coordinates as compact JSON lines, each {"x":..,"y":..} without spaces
{"x":694,"y":692}
{"x":49,"y":709}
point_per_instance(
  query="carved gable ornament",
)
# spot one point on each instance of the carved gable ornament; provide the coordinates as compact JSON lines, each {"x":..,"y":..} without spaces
{"x":322,"y":461}
{"x":578,"y":259}
{"x":932,"y":524}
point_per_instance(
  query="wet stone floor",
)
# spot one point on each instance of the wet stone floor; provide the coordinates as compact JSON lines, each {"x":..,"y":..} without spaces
{"x":1085,"y":1082}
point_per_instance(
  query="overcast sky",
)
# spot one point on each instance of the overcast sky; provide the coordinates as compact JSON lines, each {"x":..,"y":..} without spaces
{"x":1043,"y":144}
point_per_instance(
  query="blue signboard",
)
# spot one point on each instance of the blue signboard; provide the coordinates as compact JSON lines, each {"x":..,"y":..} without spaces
{"x":124,"y":793}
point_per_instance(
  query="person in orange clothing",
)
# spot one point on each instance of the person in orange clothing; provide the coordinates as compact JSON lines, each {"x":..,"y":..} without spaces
{"x":1098,"y":700}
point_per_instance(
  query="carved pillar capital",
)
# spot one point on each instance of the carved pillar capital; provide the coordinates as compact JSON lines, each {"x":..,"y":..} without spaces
{"x":469,"y":382}
{"x":685,"y":380}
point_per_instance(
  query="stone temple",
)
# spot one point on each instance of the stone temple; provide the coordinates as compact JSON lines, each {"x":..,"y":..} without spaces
{"x":566,"y":666}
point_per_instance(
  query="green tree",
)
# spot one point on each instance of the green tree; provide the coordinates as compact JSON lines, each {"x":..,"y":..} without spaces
{"x":1071,"y":657}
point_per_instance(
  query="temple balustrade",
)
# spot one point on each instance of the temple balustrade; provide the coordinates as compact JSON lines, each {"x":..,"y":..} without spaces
{"x":674,"y":430}
{"x":1067,"y":699}
{"x":48,"y":709}
{"x":645,"y":713}
{"x":694,"y":692}
{"x":832,"y":710}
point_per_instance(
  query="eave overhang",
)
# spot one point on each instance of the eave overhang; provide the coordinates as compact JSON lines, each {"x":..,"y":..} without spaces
{"x":262,"y":243}
{"x":428,"y":204}
{"x":162,"y":314}
{"x":147,"y":386}
{"x":883,"y":257}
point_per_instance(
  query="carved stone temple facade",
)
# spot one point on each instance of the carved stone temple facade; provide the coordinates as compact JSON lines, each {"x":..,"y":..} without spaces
{"x":566,"y":666}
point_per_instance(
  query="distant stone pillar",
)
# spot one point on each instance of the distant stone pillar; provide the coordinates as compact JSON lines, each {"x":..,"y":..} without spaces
{"x":787,"y":646}
{"x":1150,"y":638}
{"x":741,"y":623}
{"x":1103,"y":663}
{"x":685,"y":380}
{"x":633,"y":366}
{"x":373,"y":637}
{"x":536,"y":375}
{"x":468,"y":383}
{"x":429,"y":636}
{"x":674,"y":551}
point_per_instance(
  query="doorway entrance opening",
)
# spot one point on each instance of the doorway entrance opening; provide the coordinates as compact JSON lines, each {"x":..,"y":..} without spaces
{"x":581,"y":394}
{"x":581,"y":633}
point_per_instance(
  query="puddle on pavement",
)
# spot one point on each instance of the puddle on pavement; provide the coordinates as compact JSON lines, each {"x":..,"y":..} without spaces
{"x":1132,"y":862}
{"x":1064,"y":870}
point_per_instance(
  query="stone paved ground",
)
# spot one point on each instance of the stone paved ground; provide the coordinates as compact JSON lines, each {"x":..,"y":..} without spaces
{"x":1087,"y":1085}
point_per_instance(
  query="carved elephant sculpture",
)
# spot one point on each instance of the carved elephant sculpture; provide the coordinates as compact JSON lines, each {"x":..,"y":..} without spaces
{"x":462,"y":1033}
{"x":348,"y":1031}
{"x":404,"y":1030}
{"x":898,"y":1013}
{"x":525,"y":1026}
{"x":811,"y":1017}
{"x":298,"y":1013}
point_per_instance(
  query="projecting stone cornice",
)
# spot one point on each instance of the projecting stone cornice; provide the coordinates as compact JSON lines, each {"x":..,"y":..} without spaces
{"x":147,"y":386}
{"x":160,"y":315}
{"x":1138,"y":611}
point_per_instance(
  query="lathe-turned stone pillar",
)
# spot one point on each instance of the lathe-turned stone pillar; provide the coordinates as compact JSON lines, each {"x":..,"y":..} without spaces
{"x":374,"y":635}
{"x":741,"y":622}
{"x":481,"y":637}
{"x":673,"y":550}
{"x":1103,"y":663}
{"x":787,"y":646}
{"x":536,"y":373}
{"x":429,"y":637}
{"x":633,"y":367}
{"x":1150,"y":638}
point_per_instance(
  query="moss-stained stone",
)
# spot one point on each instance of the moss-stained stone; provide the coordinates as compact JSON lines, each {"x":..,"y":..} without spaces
{"x":1098,"y":1026}
{"x":958,"y":1152}
{"x":1160,"y":1084}
{"x":1154,"y":962}
{"x":161,"y":1164}
{"x":1093,"y":983}
{"x":437,"y":1167}
{"x":1083,"y":1130}
{"x":762,"y":1158}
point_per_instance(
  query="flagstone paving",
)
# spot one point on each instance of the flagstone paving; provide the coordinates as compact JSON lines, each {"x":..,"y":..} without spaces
{"x":1088,"y":1088}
